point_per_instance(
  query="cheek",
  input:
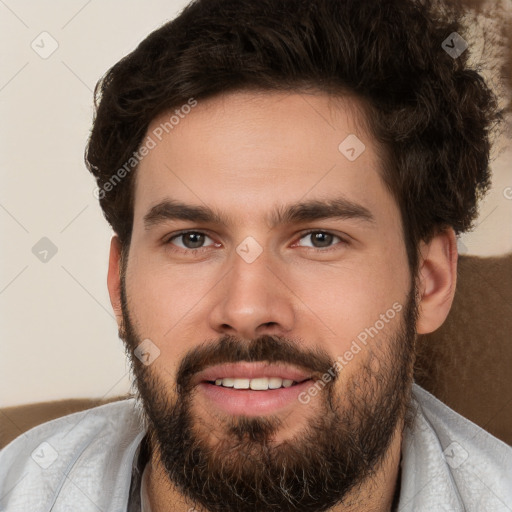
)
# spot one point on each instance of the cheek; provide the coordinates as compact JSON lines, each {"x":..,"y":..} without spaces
{"x":359,"y":302}
{"x":161,"y":295}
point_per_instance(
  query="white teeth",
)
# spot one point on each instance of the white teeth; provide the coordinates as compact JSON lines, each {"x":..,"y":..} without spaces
{"x":275,"y":382}
{"x":257,"y":384}
{"x":241,"y":383}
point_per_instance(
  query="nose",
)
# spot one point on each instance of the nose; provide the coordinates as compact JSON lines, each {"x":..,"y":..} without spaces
{"x":253,"y":301}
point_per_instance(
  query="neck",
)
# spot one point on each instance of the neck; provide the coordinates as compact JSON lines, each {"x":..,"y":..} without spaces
{"x":375,"y":494}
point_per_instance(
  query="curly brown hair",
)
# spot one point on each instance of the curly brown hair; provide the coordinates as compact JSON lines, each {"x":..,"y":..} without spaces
{"x":432,"y":114}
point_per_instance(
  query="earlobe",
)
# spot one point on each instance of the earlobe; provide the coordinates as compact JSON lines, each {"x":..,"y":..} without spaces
{"x":436,"y":282}
{"x":114,"y":278}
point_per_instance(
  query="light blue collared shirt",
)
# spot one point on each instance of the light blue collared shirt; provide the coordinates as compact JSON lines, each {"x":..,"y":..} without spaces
{"x":91,"y":461}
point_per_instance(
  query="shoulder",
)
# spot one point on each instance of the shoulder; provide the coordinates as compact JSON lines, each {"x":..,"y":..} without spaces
{"x":458,"y":463}
{"x":70,"y":457}
{"x":450,"y":425}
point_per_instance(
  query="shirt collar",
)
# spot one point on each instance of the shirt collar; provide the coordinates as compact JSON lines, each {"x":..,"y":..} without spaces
{"x":140,"y":460}
{"x":427,"y":482}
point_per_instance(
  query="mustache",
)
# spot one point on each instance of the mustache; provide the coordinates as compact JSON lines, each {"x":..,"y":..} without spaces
{"x":265,"y":348}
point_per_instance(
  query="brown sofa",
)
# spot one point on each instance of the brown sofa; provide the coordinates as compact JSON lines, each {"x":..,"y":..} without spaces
{"x":467,"y":363}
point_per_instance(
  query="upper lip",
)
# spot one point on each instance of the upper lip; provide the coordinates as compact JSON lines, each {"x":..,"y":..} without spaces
{"x":246,"y":370}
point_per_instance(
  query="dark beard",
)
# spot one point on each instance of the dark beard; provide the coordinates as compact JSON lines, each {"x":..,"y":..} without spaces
{"x":241,"y":470}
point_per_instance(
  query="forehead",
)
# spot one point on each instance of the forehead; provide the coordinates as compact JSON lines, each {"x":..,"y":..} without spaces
{"x":250,"y":151}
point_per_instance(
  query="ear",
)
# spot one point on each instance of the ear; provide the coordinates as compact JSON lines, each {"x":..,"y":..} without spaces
{"x":114,"y":278}
{"x":437,"y":278}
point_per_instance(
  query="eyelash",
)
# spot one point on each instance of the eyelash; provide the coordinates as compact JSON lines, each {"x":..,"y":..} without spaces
{"x":302,"y":235}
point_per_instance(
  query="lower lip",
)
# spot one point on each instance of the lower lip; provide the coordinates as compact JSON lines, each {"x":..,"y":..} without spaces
{"x":248,"y":402}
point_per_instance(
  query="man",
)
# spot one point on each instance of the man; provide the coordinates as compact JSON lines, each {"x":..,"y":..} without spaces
{"x":285,"y":180}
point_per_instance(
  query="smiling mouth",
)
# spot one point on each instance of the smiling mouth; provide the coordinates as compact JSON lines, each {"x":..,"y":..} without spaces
{"x":252,"y":388}
{"x":256,"y":384}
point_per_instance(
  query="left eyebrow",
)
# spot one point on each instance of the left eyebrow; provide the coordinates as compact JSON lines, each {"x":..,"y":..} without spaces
{"x":340,"y":208}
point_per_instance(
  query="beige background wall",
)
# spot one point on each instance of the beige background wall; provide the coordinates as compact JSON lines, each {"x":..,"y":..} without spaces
{"x":58,"y":336}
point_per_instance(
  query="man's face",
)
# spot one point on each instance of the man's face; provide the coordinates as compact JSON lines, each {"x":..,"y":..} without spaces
{"x":272,"y":292}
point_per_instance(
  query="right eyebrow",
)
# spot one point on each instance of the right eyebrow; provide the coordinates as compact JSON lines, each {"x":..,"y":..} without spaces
{"x":175,"y":210}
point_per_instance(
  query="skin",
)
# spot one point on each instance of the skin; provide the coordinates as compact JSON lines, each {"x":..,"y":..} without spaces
{"x":243,"y":154}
